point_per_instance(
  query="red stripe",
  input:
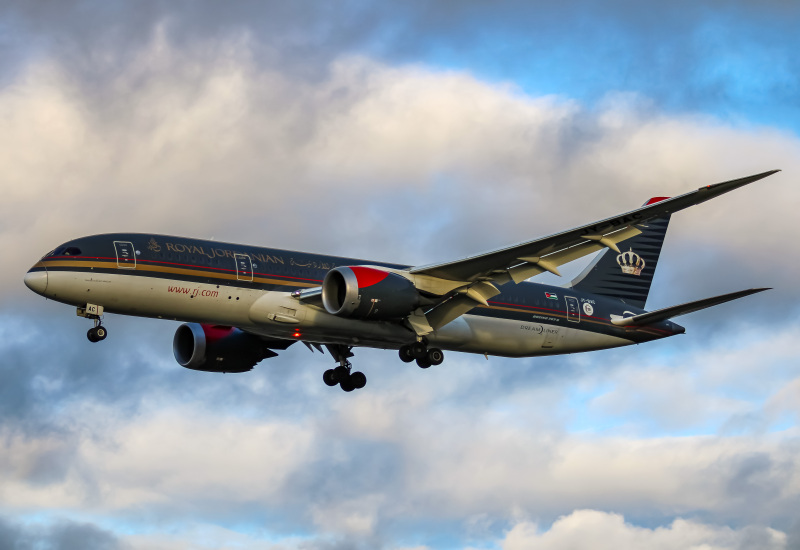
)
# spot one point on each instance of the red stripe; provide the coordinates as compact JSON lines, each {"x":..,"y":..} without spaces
{"x":603,"y":319}
{"x":655,"y":200}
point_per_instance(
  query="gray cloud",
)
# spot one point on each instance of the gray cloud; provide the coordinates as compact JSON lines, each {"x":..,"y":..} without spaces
{"x":729,"y":57}
{"x":230,"y":151}
{"x":419,"y":451}
{"x":59,"y":535}
{"x":191,"y":120}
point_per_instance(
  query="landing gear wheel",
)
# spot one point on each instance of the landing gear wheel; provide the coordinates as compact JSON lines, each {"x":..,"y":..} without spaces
{"x":97,"y":333}
{"x":347,"y":384}
{"x":435,"y":356}
{"x":329,"y":378}
{"x":423,"y":363}
{"x":419,"y":350}
{"x":406,"y":355}
{"x":341,"y":373}
{"x":358,"y":379}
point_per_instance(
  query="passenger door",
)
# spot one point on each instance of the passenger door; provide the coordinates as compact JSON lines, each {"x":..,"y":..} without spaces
{"x":126,"y":254}
{"x":573,"y":309}
{"x":244,"y":267}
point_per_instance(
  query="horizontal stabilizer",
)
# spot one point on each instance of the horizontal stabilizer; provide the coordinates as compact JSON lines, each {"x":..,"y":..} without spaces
{"x":669,"y":312}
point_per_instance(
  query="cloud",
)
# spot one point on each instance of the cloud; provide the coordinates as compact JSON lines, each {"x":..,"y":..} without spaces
{"x":470,"y":446}
{"x":245,"y":126}
{"x":602,"y":530}
{"x":61,"y":535}
{"x":734,"y":59}
{"x":203,"y":144}
{"x":348,"y":471}
{"x":743,"y":387}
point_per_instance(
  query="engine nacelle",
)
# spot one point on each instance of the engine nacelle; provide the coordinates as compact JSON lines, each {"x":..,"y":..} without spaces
{"x":214,"y":348}
{"x":368,"y":293}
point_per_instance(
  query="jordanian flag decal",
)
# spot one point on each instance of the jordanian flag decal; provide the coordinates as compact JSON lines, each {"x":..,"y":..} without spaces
{"x":551,"y":296}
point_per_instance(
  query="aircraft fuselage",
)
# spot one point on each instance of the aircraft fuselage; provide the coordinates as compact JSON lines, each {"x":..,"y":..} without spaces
{"x":251,"y":288}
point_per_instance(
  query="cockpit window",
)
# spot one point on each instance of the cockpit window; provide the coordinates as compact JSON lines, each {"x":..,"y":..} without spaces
{"x":66,"y":251}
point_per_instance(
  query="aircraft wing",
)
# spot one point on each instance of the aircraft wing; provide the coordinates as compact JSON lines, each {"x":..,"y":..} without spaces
{"x":524,"y":260}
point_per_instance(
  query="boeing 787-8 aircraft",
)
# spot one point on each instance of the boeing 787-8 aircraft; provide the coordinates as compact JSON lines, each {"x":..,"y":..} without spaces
{"x":241,"y":303}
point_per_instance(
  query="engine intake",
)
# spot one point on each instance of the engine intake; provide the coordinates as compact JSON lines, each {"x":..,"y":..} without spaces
{"x":368,"y":293}
{"x":214,"y":348}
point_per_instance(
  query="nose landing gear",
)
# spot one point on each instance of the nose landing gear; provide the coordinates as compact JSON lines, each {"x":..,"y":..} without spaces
{"x":98,"y":332}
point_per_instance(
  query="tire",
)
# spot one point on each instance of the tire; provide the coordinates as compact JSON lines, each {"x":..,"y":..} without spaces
{"x":358,"y":379}
{"x":423,"y":363}
{"x":419,"y":350}
{"x":347,"y":384}
{"x":329,"y":378}
{"x":405,"y":354}
{"x":100,"y":332}
{"x":92,"y":335}
{"x":340,"y":373}
{"x":435,"y":356}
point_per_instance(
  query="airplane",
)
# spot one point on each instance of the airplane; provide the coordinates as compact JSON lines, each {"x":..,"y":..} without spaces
{"x":240,"y":303}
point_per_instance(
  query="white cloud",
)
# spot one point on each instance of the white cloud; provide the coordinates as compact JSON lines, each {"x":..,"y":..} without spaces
{"x":608,"y":531}
{"x":373,"y":158}
{"x":435,"y":464}
{"x":206,"y":142}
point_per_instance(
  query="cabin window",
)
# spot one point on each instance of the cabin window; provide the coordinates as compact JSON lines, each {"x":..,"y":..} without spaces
{"x":70,"y":251}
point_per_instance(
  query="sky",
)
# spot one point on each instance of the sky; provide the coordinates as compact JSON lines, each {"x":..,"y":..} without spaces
{"x":410,"y":132}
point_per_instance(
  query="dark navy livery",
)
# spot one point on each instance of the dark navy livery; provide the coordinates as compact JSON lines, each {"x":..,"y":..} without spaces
{"x":241,"y":303}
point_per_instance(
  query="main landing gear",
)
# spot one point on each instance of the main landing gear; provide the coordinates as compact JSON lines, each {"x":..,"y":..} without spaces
{"x":420,"y":352}
{"x":342,"y":374}
{"x":349,"y":381}
{"x":94,"y":312}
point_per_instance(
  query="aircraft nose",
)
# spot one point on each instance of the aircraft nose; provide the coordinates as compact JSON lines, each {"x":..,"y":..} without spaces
{"x":36,"y":281}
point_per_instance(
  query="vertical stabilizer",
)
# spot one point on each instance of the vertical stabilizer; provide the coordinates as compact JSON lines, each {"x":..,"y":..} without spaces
{"x":627,"y":276}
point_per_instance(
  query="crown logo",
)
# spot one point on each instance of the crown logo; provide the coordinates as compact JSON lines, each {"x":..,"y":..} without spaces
{"x":631,"y":263}
{"x":153,"y":245}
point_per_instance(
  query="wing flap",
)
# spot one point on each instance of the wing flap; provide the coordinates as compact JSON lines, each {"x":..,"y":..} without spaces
{"x":449,"y":310}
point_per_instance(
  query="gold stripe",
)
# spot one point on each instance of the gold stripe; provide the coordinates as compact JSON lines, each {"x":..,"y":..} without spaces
{"x":174,"y":271}
{"x":279,"y":282}
{"x":583,"y":319}
{"x":558,"y":315}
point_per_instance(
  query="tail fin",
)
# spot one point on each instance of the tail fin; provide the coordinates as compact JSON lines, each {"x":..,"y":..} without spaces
{"x":627,"y":276}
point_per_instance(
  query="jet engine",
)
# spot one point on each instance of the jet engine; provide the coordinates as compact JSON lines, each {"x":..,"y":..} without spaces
{"x":368,"y":293}
{"x":215,"y":348}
